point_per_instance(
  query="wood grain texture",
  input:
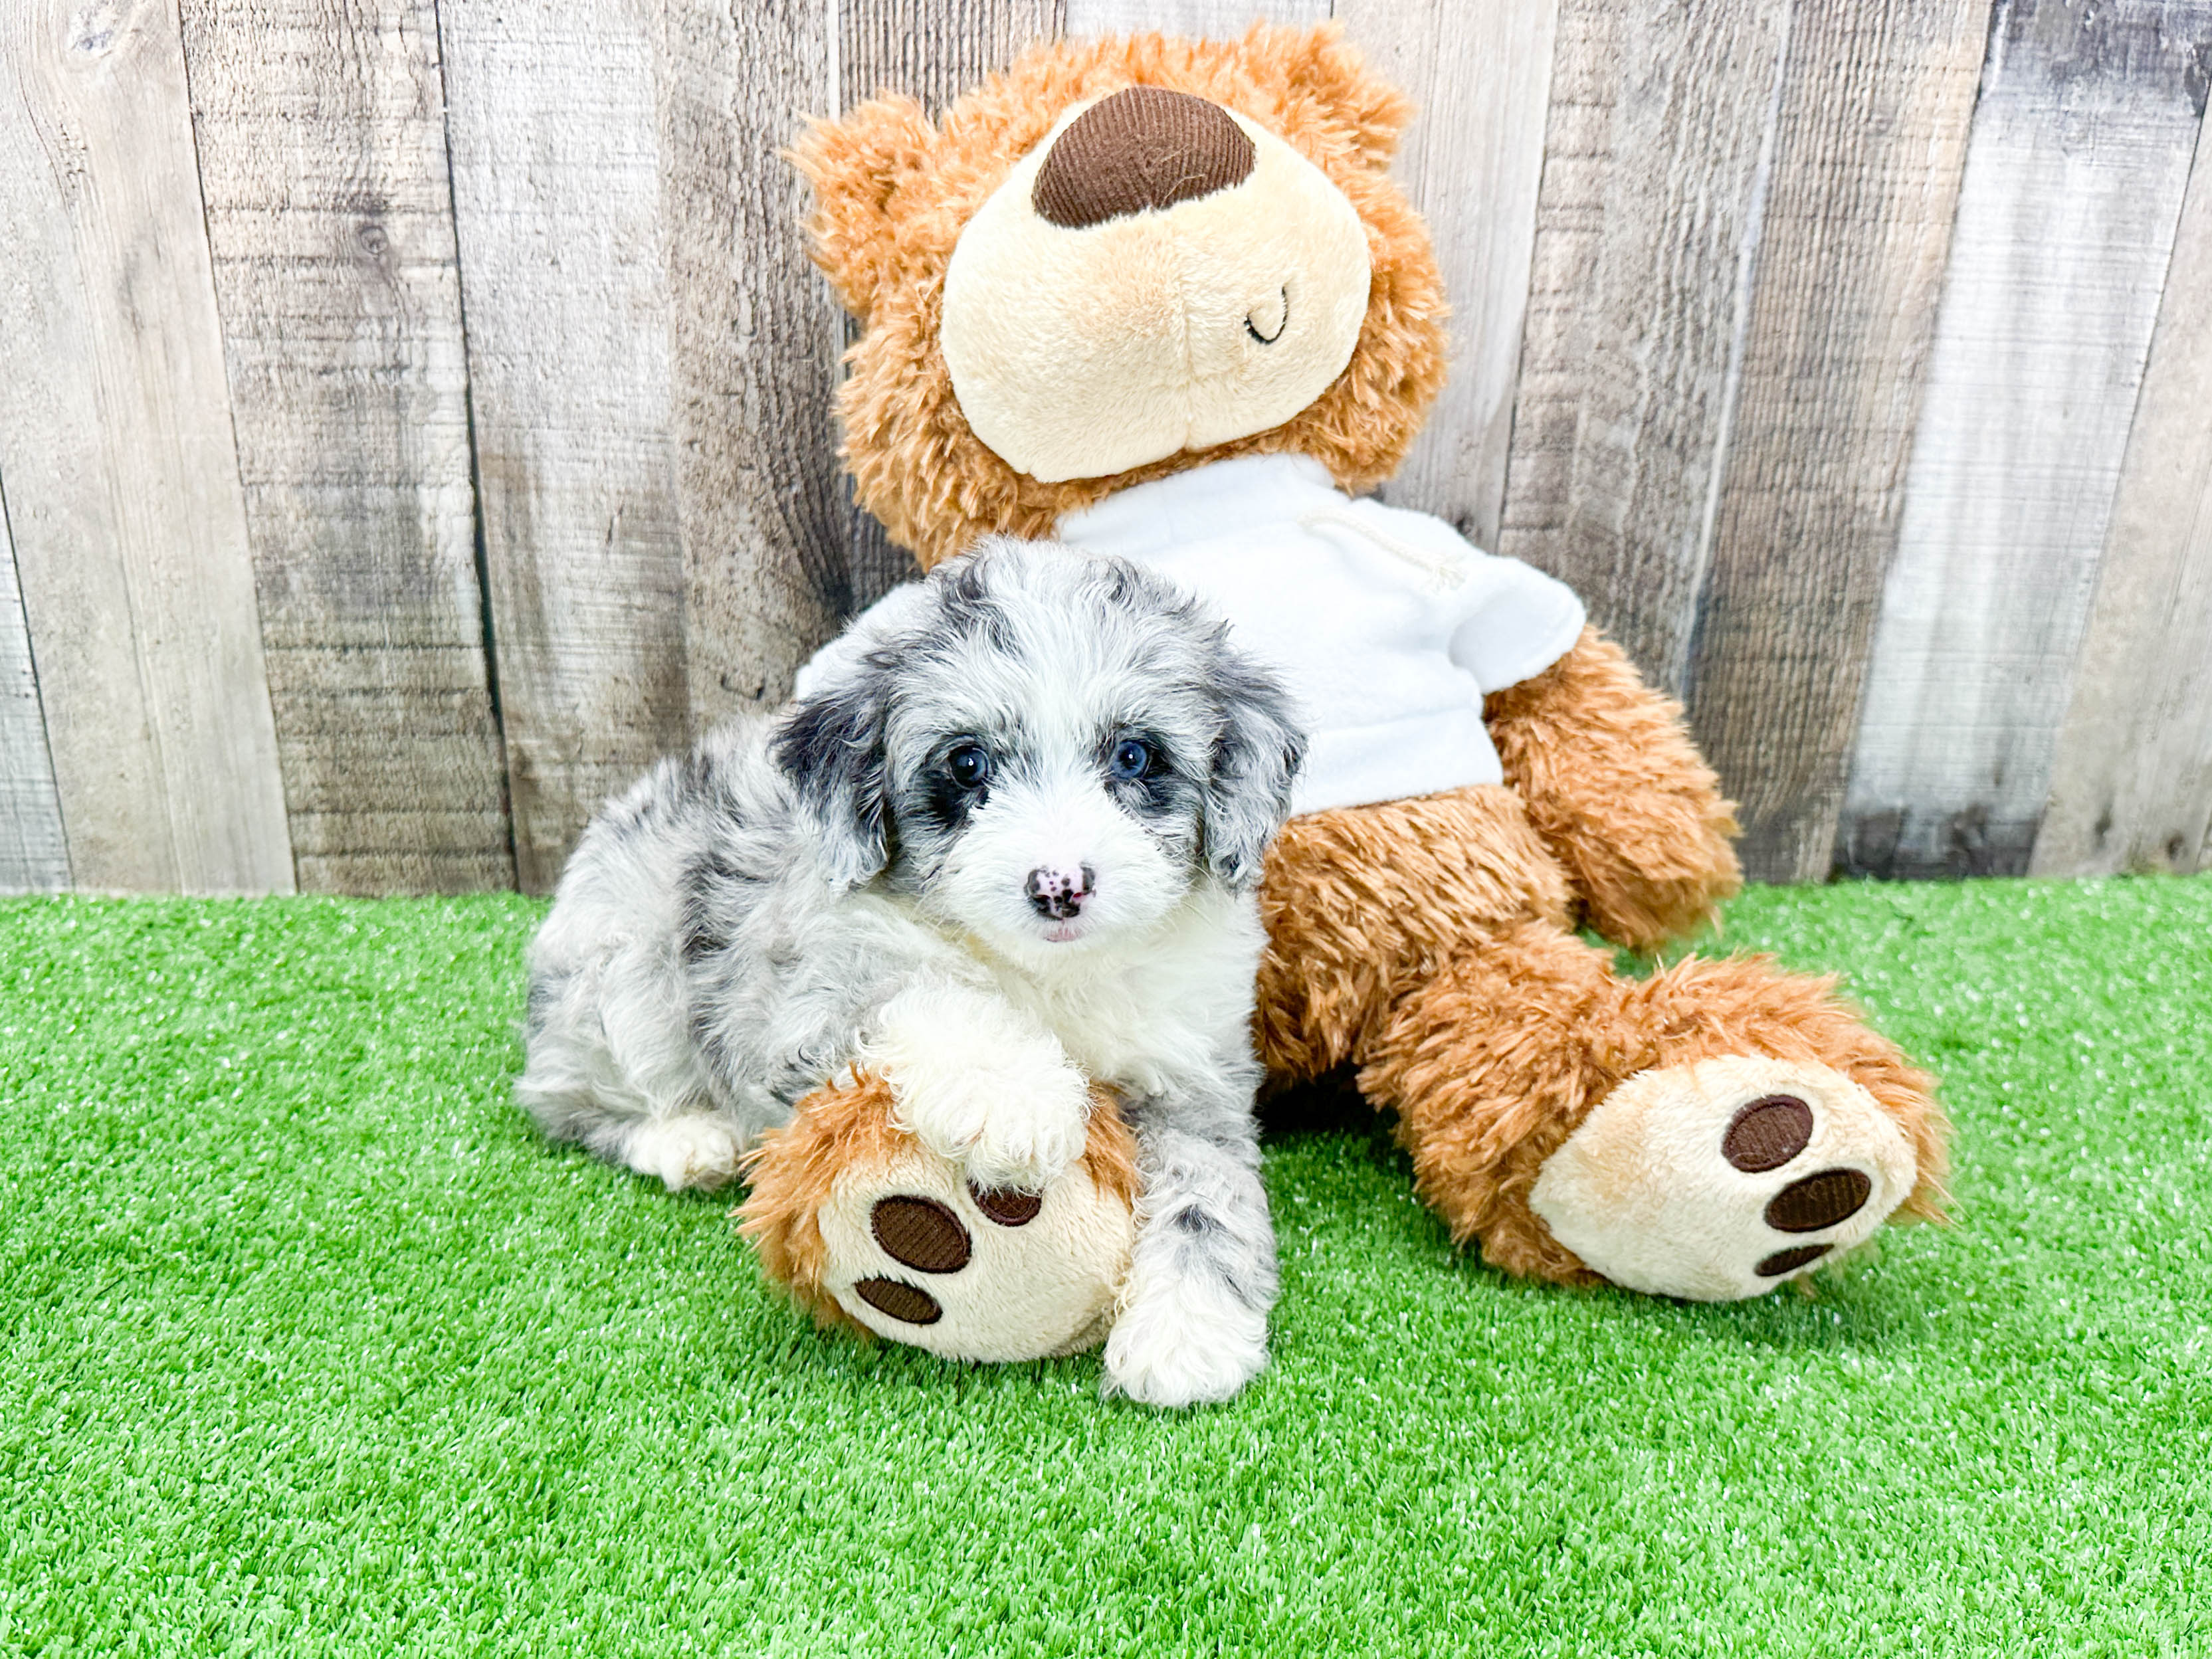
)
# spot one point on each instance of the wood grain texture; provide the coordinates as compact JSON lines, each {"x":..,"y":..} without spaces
{"x":552,"y":123}
{"x":1210,"y":19}
{"x":1471,"y":161}
{"x":322,"y":153}
{"x":1869,"y":146}
{"x":936,"y":50}
{"x":115,"y":441}
{"x":754,"y":340}
{"x":1658,"y":150}
{"x":34,"y":855}
{"x":933,"y":50}
{"x":2073,"y":187}
{"x":2131,"y":780}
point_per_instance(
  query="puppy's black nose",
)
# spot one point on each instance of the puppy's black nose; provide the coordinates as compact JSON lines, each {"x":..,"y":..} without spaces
{"x":1145,"y":147}
{"x":1057,"y":894}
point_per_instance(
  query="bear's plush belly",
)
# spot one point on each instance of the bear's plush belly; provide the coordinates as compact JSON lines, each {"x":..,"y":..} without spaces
{"x":1357,"y":898}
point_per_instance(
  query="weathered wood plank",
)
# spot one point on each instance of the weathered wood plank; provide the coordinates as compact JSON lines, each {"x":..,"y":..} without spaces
{"x":552,"y":124}
{"x":1471,"y":161}
{"x":322,"y":155}
{"x":1211,"y":20}
{"x":2132,"y":782}
{"x":931,"y":51}
{"x":1869,"y":146}
{"x":34,"y":856}
{"x":755,"y":337}
{"x":115,"y":441}
{"x":936,"y":50}
{"x":1657,"y":157}
{"x":2074,"y":181}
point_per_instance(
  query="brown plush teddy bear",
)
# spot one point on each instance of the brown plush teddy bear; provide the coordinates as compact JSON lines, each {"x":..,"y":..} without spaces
{"x":1162,"y":298}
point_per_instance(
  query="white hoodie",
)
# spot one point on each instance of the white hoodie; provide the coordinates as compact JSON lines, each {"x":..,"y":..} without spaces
{"x":1388,"y":627}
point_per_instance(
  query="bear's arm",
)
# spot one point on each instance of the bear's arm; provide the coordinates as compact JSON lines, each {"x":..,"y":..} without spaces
{"x":1614,"y":785}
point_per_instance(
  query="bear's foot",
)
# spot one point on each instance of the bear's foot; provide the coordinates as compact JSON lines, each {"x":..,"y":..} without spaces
{"x":869,"y":1227}
{"x":1705,"y":1132}
{"x":1719,"y":1179}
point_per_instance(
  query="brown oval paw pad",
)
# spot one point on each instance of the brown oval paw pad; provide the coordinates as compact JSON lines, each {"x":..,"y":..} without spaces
{"x":1789,"y":1261}
{"x":1006,"y":1206}
{"x":1767,"y":1133}
{"x":910,"y":1303}
{"x":919,"y":1233}
{"x":1818,"y":1200}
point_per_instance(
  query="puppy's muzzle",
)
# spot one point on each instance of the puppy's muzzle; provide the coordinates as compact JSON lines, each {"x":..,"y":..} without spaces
{"x":1058,"y":894}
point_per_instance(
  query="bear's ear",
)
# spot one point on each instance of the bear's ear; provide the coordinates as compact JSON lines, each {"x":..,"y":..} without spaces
{"x":1328,"y":80}
{"x":857,"y":165}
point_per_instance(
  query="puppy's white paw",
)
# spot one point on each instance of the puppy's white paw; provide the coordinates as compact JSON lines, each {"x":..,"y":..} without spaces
{"x":1005,"y":1128}
{"x":1176,"y":1346}
{"x":977,"y":1084}
{"x":692,"y":1151}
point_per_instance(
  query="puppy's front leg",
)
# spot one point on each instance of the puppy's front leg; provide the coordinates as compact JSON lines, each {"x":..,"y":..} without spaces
{"x":981,"y":1083}
{"x":1193,"y":1320}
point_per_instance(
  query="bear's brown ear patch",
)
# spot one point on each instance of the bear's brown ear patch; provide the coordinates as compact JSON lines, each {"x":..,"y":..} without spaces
{"x":857,"y":165}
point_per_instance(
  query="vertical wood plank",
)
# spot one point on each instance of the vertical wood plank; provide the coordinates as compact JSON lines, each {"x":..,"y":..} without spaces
{"x":754,"y":340}
{"x":2131,"y":781}
{"x":322,"y":155}
{"x":552,"y":126}
{"x":115,"y":441}
{"x":34,"y":857}
{"x":936,"y":50}
{"x":2074,"y":181}
{"x":1208,"y":20}
{"x":1471,"y":161}
{"x":1869,"y":147}
{"x":1658,"y":151}
{"x":931,"y":51}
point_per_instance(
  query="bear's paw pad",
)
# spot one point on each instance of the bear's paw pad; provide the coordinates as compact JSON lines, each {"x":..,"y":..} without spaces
{"x":919,"y":1254}
{"x":1703,"y":1181}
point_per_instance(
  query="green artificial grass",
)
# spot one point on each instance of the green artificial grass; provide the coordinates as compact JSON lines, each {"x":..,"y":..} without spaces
{"x":312,"y":1346}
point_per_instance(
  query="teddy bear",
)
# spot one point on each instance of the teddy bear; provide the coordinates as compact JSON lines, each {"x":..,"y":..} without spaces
{"x":1162,"y":298}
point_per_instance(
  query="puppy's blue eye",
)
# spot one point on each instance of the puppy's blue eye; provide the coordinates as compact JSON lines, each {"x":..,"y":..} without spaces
{"x":1130,"y":759}
{"x":970,"y":765}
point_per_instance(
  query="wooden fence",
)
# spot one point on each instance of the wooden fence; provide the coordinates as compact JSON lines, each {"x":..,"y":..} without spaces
{"x":414,"y":413}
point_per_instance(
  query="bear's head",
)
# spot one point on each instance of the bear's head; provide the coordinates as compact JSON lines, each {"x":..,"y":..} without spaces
{"x":1119,"y":259}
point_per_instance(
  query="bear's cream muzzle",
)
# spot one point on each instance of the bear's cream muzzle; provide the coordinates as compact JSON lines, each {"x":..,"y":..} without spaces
{"x":1196,"y":277}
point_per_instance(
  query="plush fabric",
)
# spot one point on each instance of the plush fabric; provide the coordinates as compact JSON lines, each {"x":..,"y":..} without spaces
{"x":816,"y":1185}
{"x":1185,"y":340}
{"x":893,"y":193}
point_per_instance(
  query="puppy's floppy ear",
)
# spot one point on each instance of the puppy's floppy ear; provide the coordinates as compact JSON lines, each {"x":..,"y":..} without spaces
{"x":1256,"y":758}
{"x":831,"y":745}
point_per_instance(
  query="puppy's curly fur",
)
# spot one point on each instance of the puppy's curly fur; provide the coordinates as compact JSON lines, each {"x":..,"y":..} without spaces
{"x":1004,"y":849}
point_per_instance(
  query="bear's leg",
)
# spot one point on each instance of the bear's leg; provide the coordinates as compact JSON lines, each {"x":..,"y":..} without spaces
{"x":1705,"y":1134}
{"x":867,"y":1227}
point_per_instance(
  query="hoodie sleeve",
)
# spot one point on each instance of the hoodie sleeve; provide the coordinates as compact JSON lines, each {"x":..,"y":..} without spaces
{"x":1504,"y":621}
{"x":1520,"y":623}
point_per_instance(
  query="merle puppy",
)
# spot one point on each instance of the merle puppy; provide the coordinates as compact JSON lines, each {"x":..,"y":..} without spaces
{"x":1006,"y":843}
